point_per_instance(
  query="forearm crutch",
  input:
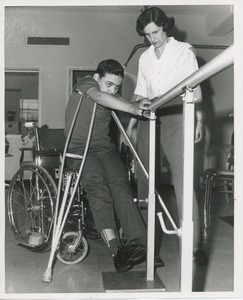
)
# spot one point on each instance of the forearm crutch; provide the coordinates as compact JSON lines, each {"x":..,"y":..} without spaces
{"x":176,"y":230}
{"x":62,"y":213}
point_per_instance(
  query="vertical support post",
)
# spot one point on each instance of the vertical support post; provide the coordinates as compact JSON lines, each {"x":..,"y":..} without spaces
{"x":186,"y":245}
{"x":151,"y":199}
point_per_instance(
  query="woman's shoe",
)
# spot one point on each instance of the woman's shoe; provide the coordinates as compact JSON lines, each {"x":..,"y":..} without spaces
{"x":158,"y":262}
{"x":200,"y":257}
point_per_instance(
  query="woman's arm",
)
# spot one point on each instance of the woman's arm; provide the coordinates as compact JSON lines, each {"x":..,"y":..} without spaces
{"x":200,"y":130}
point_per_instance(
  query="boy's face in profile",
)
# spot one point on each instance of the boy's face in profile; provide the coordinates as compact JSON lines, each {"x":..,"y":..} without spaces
{"x":109,"y":84}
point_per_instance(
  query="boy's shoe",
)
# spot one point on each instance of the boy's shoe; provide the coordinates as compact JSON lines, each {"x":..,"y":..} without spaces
{"x":121,"y":266}
{"x":129,"y":255}
{"x":135,"y":253}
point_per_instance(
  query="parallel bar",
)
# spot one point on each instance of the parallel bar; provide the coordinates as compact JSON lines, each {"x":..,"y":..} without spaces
{"x":151,"y":199}
{"x":219,"y":63}
{"x":146,"y":44}
{"x":186,"y":242}
{"x":216,"y":65}
{"x":210,"y":46}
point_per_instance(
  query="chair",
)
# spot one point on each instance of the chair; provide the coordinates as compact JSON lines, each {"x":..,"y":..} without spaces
{"x":221,"y":180}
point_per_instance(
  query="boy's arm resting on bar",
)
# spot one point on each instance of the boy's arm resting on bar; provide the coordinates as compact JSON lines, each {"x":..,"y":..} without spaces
{"x":113,"y":102}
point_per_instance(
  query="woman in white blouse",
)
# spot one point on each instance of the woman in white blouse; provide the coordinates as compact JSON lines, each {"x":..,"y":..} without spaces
{"x":163,"y":65}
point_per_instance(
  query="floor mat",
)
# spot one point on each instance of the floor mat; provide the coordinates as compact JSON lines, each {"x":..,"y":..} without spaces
{"x":228,"y":219}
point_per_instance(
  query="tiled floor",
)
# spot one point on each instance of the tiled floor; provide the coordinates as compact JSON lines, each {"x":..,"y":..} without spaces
{"x":24,"y":270}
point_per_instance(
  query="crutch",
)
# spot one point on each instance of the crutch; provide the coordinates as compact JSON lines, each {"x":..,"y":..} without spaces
{"x":61,"y":216}
{"x":176,"y":230}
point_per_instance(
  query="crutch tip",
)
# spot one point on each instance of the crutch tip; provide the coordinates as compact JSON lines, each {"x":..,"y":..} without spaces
{"x":47,"y":277}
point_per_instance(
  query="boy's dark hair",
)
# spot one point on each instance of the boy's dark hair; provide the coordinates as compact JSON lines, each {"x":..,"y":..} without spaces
{"x":110,"y":66}
{"x":156,"y":15}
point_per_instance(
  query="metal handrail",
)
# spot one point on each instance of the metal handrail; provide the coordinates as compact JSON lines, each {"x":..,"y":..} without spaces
{"x":216,"y":65}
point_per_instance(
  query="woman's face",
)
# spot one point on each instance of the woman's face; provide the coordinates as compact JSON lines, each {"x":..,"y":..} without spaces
{"x":155,"y":35}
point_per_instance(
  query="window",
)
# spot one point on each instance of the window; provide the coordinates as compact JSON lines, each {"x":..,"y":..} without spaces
{"x":21,"y":99}
{"x":74,"y":75}
{"x":79,"y":74}
{"x":29,"y":110}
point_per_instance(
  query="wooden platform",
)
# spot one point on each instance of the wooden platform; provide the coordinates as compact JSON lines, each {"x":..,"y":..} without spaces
{"x":132,"y":281}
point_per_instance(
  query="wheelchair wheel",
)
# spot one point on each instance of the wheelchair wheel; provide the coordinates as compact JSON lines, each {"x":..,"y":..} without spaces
{"x":72,"y":249}
{"x":30,"y":204}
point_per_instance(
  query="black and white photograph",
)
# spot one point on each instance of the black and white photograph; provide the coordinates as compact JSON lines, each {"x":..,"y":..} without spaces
{"x":119,"y":184}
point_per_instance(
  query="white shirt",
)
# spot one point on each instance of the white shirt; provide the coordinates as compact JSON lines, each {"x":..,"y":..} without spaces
{"x":157,"y":76}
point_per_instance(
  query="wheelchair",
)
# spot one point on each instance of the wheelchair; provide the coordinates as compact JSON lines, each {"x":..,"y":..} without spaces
{"x":32,"y":196}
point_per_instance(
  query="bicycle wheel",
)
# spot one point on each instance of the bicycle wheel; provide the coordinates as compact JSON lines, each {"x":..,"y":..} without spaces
{"x":72,"y":248}
{"x":31,"y":200}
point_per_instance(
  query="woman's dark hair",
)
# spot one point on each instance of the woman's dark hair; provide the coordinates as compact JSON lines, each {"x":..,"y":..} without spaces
{"x":110,"y":66}
{"x":156,"y":15}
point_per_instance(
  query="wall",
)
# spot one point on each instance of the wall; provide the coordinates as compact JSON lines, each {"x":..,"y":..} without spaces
{"x":218,"y":91}
{"x":99,"y":35}
{"x":94,"y":37}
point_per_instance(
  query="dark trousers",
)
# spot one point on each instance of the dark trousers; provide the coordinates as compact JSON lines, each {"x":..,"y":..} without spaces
{"x":108,"y":189}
